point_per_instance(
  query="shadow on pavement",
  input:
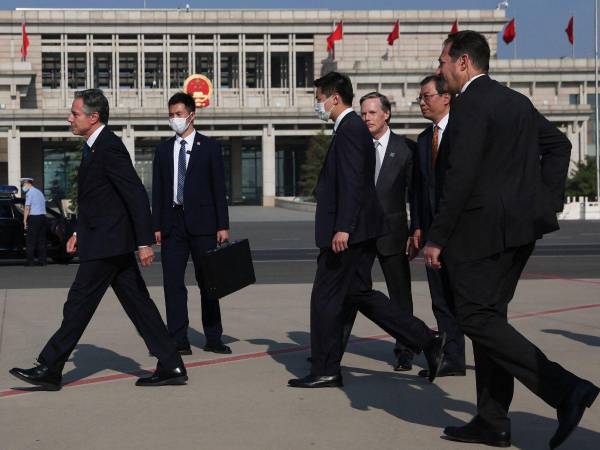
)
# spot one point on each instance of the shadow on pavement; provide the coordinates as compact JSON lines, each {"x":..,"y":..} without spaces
{"x":588,"y":339}
{"x":90,"y":359}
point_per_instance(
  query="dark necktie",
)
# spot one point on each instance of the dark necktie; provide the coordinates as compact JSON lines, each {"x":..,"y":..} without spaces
{"x":87,"y":151}
{"x":434,"y":145}
{"x":181,"y":172}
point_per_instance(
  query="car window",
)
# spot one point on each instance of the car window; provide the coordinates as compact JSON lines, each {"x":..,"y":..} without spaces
{"x":5,"y":211}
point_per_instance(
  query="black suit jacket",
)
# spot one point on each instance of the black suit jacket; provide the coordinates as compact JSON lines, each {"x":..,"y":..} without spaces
{"x":114,"y":212}
{"x":204,"y":199}
{"x":346,"y":197}
{"x":505,"y":177}
{"x":428,"y":182}
{"x":395,"y":177}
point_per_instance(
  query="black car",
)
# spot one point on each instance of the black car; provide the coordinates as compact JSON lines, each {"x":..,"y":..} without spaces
{"x":12,"y":232}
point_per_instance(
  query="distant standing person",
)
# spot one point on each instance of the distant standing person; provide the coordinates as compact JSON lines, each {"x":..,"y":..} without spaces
{"x":34,"y":222}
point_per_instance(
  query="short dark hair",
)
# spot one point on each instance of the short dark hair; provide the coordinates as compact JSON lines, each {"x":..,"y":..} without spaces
{"x":186,"y":99}
{"x":441,"y":86}
{"x":94,"y":101}
{"x":336,"y":83}
{"x":471,"y":43}
{"x":386,"y":105}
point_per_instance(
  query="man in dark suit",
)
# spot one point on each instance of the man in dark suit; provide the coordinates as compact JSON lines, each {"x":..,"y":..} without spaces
{"x":114,"y":221}
{"x":434,"y":102}
{"x":393,"y":176}
{"x":348,"y":221}
{"x":504,"y":184}
{"x":189,"y":211}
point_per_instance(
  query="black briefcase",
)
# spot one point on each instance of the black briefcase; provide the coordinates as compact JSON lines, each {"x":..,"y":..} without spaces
{"x":227,"y":268}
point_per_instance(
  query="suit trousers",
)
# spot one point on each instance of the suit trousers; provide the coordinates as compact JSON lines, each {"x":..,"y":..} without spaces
{"x":444,"y":312}
{"x":343,"y":283}
{"x":175,"y":253}
{"x":36,"y":238}
{"x":482,"y":290}
{"x":396,"y":271}
{"x":91,"y":282}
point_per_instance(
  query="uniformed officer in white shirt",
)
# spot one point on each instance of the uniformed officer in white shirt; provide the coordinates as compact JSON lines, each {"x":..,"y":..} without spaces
{"x":34,"y":222}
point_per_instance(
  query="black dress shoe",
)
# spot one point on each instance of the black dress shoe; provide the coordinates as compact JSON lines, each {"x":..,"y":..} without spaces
{"x":314,"y":381}
{"x":434,"y":351}
{"x":571,"y":410}
{"x":475,"y":432}
{"x":217,"y":348}
{"x":446,"y":369}
{"x":39,"y":376}
{"x":403,"y":362}
{"x":164,"y":377}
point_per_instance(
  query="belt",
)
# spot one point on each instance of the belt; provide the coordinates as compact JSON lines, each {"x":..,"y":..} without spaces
{"x":176,"y":206}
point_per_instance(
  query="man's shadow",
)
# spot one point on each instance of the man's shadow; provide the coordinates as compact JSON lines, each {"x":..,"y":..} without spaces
{"x":591,"y":340}
{"x":90,"y":359}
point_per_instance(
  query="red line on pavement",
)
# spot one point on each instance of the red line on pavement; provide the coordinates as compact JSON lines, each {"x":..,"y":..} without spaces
{"x":295,"y":349}
{"x":549,"y":276}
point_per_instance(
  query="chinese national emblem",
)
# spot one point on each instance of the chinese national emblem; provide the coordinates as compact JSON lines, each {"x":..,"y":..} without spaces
{"x":199,"y":87}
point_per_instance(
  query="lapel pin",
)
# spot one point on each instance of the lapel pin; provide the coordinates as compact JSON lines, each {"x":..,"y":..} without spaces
{"x":392,"y":155}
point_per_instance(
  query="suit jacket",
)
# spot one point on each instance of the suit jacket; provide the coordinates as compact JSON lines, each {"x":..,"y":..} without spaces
{"x":204,"y":199}
{"x":395,"y":178}
{"x":114,"y":212}
{"x":428,"y":182}
{"x":505,"y":177}
{"x":346,"y":197}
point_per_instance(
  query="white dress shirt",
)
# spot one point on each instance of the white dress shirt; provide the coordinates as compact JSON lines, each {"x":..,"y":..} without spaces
{"x":381,"y":148}
{"x":442,"y":124}
{"x":90,"y":141}
{"x":340,"y":117}
{"x":464,"y":88}
{"x":188,"y":149}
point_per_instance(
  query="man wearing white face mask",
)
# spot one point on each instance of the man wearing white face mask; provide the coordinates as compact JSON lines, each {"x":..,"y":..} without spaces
{"x":189,"y":212}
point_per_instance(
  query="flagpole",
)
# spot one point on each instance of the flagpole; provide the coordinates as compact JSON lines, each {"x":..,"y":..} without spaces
{"x":596,"y":99}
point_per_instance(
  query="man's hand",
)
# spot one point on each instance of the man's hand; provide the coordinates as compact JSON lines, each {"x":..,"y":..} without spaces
{"x":417,"y":238}
{"x":157,"y":237}
{"x":222,"y":236}
{"x":411,"y":250}
{"x":72,"y":244}
{"x":25,"y":225}
{"x":146,"y":255}
{"x":339,"y":243}
{"x":432,"y":253}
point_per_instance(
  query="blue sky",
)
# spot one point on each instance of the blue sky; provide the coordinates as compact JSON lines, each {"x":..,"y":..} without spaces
{"x":540,"y":23}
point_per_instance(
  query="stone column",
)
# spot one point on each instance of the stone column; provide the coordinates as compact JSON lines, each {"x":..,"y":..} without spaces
{"x":268,"y":165}
{"x":236,"y":170}
{"x":14,"y":156}
{"x":128,"y":138}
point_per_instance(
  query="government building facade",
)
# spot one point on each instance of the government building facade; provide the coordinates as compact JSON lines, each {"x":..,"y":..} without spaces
{"x":262,"y":64}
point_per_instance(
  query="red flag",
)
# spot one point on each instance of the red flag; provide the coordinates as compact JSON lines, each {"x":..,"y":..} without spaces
{"x":25,"y":45}
{"x":570,"y":30}
{"x":337,"y":35}
{"x":395,"y":34}
{"x":510,"y":32}
{"x":454,"y":28}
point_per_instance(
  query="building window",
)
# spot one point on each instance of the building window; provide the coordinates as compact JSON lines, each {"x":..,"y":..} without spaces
{"x":76,"y":70}
{"x":254,"y":70}
{"x":204,"y":65}
{"x":179,"y":69}
{"x":128,"y":70}
{"x":229,"y":70}
{"x":103,"y":70}
{"x":279,"y":70}
{"x":305,"y":71}
{"x":51,"y":70}
{"x":153,"y":71}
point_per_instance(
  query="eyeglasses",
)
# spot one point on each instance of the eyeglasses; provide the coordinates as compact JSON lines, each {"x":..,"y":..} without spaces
{"x":425,"y":97}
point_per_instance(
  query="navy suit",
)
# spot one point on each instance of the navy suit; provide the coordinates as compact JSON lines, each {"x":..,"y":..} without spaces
{"x":427,"y":185}
{"x":190,"y":229}
{"x":347,"y":202}
{"x":114,"y":219}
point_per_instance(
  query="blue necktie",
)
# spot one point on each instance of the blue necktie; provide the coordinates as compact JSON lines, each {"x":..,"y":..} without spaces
{"x":181,"y":172}
{"x":87,"y":151}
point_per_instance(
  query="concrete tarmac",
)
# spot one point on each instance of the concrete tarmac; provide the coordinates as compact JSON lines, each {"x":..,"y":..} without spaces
{"x":241,"y":401}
